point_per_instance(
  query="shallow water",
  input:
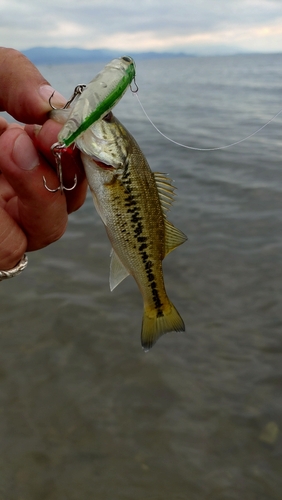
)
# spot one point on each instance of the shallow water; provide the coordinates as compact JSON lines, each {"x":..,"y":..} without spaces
{"x":85,"y":413}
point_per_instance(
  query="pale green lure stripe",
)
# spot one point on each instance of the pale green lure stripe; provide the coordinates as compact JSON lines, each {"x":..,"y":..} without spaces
{"x":105,"y":106}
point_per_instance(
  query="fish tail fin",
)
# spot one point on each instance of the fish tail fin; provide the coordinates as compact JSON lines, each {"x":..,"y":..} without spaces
{"x":156,"y":323}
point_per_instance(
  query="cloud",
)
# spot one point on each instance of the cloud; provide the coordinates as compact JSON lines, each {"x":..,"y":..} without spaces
{"x":184,"y":25}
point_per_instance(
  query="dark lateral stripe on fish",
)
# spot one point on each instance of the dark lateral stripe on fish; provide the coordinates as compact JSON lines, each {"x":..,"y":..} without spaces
{"x":136,"y":220}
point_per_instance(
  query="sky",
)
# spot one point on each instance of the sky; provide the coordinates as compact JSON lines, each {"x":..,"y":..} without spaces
{"x":201,"y":27}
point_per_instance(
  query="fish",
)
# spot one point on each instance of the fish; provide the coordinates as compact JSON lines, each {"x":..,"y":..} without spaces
{"x":132,"y":202}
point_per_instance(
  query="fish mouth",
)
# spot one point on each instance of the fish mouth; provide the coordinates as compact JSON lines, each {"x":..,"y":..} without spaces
{"x":102,"y":165}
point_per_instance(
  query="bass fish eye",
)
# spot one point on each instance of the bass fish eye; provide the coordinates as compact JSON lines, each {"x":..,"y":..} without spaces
{"x":108,"y":117}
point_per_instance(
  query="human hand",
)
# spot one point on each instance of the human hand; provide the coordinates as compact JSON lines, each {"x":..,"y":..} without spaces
{"x":30,"y":216}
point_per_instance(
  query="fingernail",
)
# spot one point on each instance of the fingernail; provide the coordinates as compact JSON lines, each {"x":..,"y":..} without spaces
{"x":24,"y":153}
{"x":46,"y":91}
{"x":36,"y":130}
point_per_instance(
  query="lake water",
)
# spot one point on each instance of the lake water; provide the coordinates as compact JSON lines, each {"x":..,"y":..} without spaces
{"x":85,"y":413}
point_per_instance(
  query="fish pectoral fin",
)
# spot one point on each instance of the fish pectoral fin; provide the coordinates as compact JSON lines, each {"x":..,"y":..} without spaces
{"x":117,"y":271}
{"x":173,"y":237}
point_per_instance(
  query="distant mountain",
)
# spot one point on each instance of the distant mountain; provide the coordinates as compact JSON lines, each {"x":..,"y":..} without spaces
{"x":58,"y":55}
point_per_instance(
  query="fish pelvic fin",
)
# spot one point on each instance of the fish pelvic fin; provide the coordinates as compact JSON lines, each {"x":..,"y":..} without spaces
{"x":117,"y":271}
{"x":156,"y":324}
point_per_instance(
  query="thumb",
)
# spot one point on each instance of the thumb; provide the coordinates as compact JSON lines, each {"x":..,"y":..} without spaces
{"x":24,"y":92}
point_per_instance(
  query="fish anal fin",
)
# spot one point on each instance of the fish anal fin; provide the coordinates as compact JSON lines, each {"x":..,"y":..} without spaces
{"x":117,"y":271}
{"x":155,"y":325}
{"x":173,"y":237}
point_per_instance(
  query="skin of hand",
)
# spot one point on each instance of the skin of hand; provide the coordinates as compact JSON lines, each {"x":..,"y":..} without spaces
{"x":30,"y":216}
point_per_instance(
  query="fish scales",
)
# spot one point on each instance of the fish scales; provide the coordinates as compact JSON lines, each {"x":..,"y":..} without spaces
{"x":136,"y":227}
{"x":132,"y":207}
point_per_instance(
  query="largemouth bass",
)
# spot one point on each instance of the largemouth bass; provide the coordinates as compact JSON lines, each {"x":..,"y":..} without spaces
{"x":132,"y":202}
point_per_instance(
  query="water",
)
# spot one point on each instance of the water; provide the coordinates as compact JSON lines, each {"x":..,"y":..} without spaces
{"x":85,"y":413}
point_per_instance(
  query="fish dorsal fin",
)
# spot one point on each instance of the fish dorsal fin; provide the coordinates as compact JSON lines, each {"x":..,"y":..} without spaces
{"x":173,"y":237}
{"x":165,"y":190}
{"x":117,"y":271}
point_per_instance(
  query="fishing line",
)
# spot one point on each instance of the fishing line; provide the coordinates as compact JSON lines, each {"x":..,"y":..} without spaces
{"x":203,"y":149}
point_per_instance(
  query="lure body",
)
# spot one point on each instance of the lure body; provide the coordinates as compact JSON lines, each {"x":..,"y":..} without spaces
{"x":98,"y":98}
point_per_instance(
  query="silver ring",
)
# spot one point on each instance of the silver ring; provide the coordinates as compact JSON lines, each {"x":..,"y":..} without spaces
{"x":18,"y":269}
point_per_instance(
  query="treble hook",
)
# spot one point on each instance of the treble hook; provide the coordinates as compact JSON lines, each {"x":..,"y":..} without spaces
{"x":77,"y":91}
{"x":57,"y":150}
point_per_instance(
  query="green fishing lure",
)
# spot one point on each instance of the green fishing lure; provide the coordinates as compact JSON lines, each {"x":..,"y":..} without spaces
{"x":98,"y":98}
